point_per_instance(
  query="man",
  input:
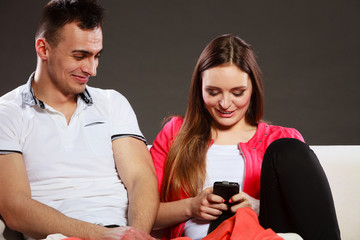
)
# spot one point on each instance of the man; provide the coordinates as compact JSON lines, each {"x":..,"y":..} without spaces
{"x":72,"y":157}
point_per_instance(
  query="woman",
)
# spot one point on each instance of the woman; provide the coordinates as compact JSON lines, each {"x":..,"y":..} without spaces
{"x":222,"y":137}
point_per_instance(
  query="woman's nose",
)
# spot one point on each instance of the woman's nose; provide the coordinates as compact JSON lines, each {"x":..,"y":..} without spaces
{"x":225,"y":102}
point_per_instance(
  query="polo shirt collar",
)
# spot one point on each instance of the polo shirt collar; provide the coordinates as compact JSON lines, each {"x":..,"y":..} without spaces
{"x":30,"y":99}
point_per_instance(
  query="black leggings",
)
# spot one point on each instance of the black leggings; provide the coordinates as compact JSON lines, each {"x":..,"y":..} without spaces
{"x":295,"y":195}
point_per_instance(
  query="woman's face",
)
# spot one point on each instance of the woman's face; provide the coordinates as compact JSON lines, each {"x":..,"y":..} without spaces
{"x":226,"y":93}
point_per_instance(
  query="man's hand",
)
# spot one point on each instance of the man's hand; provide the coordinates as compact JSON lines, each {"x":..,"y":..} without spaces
{"x":125,"y":233}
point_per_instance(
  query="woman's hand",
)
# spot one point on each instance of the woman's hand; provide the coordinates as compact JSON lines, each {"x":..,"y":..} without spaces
{"x":239,"y":200}
{"x":207,"y":205}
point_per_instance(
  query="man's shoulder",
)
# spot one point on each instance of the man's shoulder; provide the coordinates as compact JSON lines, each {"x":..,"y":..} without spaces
{"x":12,"y":108}
{"x":15,"y":93}
{"x":104,"y":94}
{"x":12,"y":99}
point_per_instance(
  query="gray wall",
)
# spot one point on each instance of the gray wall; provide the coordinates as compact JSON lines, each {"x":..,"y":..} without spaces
{"x":308,"y":51}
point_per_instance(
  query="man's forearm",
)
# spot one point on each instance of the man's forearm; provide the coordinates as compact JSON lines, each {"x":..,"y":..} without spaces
{"x":143,"y":205}
{"x":38,"y":220}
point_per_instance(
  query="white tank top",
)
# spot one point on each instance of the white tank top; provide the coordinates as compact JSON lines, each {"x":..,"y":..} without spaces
{"x":223,"y":163}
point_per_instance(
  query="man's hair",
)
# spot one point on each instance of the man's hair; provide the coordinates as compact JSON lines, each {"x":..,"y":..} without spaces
{"x":89,"y":14}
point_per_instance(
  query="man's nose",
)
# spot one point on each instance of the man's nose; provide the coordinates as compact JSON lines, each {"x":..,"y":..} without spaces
{"x":90,"y":67}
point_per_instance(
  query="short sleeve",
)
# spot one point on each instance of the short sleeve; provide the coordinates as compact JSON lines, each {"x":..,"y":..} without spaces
{"x":10,"y":129}
{"x":123,"y":118}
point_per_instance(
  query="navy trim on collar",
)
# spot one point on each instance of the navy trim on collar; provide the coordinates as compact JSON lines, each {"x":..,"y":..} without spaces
{"x":85,"y":96}
{"x":37,"y":101}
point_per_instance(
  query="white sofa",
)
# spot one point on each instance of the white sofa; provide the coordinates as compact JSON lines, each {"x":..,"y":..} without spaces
{"x":342,"y":167}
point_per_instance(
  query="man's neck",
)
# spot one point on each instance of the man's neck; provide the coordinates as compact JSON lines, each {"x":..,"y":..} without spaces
{"x":45,"y":91}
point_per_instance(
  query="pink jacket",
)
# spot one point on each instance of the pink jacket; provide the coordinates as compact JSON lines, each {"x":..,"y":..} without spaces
{"x":253,"y":152}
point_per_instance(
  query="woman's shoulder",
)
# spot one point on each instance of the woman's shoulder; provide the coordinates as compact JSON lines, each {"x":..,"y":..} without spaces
{"x":174,"y":123}
{"x":170,"y":128}
{"x":275,"y":127}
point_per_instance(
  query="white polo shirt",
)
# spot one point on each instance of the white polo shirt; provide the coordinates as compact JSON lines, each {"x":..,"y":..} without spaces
{"x":71,"y":167}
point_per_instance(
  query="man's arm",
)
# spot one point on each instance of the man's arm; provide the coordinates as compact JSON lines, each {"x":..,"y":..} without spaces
{"x":135,"y":167}
{"x":23,"y":214}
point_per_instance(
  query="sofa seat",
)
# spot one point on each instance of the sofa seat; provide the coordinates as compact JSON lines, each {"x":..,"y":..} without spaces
{"x":342,"y":167}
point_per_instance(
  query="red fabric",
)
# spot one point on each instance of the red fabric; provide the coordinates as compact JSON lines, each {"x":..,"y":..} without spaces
{"x":253,"y":152}
{"x":243,"y":226}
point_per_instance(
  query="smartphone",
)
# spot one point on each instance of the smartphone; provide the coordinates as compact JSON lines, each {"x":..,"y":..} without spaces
{"x":226,"y":190}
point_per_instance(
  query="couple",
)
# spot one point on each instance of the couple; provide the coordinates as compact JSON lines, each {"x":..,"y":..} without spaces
{"x":74,"y":161}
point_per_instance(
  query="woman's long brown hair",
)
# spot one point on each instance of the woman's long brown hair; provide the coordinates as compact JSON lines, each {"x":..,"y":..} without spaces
{"x":185,"y":167}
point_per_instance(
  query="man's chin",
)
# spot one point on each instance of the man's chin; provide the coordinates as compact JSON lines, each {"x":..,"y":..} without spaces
{"x":80,"y":89}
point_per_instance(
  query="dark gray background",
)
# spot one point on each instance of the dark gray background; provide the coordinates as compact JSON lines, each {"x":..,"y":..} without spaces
{"x":308,"y":52}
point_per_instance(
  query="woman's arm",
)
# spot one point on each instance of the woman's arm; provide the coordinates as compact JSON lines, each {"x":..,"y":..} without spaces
{"x":206,"y":206}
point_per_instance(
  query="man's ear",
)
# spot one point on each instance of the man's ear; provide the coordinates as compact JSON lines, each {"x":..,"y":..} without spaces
{"x":41,"y":46}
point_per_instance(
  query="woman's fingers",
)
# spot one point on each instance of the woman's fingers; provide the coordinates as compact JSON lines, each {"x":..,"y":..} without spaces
{"x":239,"y":201}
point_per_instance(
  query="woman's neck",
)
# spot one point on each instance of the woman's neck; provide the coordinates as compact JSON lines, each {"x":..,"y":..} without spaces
{"x":233,"y":136}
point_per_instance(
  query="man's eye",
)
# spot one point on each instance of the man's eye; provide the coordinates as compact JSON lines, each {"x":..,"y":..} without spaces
{"x":79,"y":57}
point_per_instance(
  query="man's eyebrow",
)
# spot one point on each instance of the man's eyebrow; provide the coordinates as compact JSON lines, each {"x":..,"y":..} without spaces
{"x":86,"y":52}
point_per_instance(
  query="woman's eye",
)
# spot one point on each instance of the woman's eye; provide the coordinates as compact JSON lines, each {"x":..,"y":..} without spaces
{"x":212,"y":92}
{"x":238,"y":93}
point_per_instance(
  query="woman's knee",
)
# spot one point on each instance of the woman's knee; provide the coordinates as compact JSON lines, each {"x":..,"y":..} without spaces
{"x":288,"y":145}
{"x":290,"y":152}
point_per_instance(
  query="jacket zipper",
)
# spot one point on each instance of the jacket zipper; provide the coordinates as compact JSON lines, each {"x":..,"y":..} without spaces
{"x":243,"y":155}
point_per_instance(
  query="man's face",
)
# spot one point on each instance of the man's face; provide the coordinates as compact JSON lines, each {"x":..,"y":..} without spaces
{"x":74,"y":59}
